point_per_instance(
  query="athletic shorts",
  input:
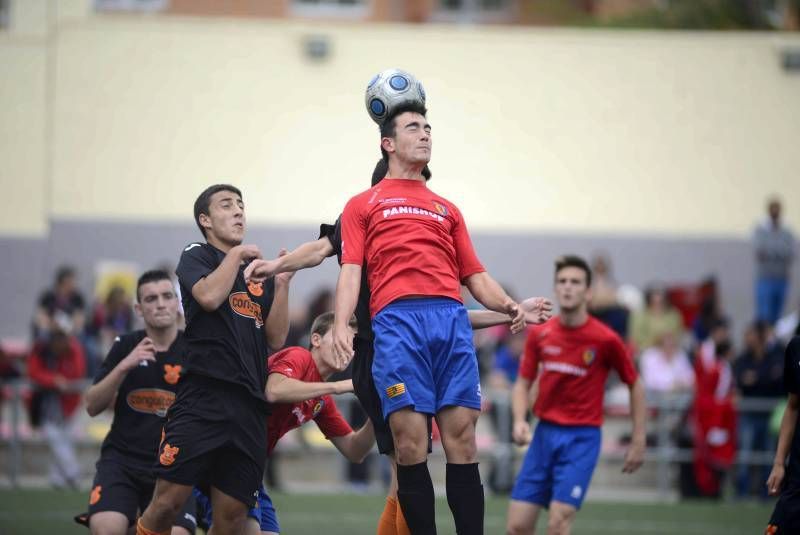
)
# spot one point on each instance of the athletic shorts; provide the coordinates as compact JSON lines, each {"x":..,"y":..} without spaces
{"x":367,"y":394}
{"x":125,"y":489}
{"x":263,"y":511}
{"x":559,"y":465}
{"x":424,"y":356}
{"x":785,"y":517}
{"x":215,"y":435}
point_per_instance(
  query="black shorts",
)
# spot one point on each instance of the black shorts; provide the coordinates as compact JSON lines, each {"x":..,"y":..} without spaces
{"x":215,"y":436}
{"x":367,"y":394}
{"x":127,"y":489}
{"x":785,"y":517}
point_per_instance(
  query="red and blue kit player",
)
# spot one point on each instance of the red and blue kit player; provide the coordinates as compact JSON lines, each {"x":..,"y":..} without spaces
{"x":139,"y":378}
{"x":310,"y":254}
{"x":216,"y":434}
{"x":418,"y":252}
{"x":785,"y":480}
{"x":299,"y":392}
{"x":571,"y":356}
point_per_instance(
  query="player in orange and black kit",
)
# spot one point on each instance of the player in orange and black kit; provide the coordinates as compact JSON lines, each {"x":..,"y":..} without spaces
{"x":215,"y":436}
{"x":139,"y":377}
{"x":786,"y":480}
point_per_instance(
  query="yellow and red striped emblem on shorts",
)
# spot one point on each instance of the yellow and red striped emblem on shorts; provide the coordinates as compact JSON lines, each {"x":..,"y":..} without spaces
{"x":396,"y":390}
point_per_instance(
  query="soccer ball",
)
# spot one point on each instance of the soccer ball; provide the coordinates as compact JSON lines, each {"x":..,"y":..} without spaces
{"x":389,"y":89}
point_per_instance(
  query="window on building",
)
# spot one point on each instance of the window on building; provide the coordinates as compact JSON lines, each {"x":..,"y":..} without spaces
{"x":474,"y":10}
{"x":131,"y":5}
{"x":330,"y":8}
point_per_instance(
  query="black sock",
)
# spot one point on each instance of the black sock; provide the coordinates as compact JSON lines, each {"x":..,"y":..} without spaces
{"x":465,"y":498}
{"x":415,"y":494}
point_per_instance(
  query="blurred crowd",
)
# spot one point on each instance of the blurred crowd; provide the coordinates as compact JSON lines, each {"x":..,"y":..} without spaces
{"x":679,"y":335}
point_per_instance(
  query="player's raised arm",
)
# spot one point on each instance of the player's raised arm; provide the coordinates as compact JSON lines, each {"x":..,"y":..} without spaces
{"x":213,"y":289}
{"x":306,"y":255}
{"x":282,"y":389}
{"x":277,"y":322}
{"x":116,"y":366}
{"x":490,"y":294}
{"x":536,"y":310}
{"x":356,"y":445}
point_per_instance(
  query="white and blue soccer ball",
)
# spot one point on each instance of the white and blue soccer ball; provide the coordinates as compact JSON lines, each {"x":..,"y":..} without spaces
{"x":390,"y":89}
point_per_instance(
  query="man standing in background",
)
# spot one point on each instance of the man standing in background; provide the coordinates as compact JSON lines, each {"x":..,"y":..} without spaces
{"x":774,"y":247}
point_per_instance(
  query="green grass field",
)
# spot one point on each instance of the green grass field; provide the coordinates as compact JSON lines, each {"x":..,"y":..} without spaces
{"x":32,"y":512}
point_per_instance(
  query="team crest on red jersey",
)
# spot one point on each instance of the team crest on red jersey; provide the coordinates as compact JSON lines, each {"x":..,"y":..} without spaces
{"x":588,"y":356}
{"x":440,"y":208}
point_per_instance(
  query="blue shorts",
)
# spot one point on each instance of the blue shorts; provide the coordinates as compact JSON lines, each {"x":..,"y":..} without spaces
{"x":559,"y":465}
{"x":263,"y":512}
{"x":424,"y":356}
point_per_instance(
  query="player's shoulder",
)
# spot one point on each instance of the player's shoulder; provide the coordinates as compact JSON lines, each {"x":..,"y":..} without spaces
{"x":129,"y":339}
{"x":293,"y":353}
{"x":601,"y":331}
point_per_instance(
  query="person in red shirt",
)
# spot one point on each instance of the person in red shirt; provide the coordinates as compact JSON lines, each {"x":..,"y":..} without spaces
{"x":299,"y":391}
{"x":418,"y":253}
{"x":56,"y":367}
{"x":570,"y":355}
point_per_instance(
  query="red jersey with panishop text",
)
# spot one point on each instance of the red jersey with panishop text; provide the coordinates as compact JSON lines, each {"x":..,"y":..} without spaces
{"x":572,"y":364}
{"x":414,"y":242}
{"x":297,"y":363}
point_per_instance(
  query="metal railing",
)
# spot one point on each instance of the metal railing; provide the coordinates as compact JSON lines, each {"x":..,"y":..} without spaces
{"x":664,"y":410}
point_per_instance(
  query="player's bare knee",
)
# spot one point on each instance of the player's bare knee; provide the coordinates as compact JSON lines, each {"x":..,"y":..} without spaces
{"x":411,"y":449}
{"x":559,"y":522}
{"x":514,"y":527}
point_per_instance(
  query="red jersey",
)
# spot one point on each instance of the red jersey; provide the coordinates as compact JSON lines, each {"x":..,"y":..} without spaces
{"x":296,"y":363}
{"x":574,"y":364}
{"x":413,"y":241}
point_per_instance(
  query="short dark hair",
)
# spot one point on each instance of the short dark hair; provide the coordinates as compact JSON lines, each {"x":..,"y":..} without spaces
{"x":204,"y":200}
{"x":575,"y":261}
{"x":324,"y":323}
{"x":63,"y":273}
{"x":389,"y":125}
{"x":154,"y":275}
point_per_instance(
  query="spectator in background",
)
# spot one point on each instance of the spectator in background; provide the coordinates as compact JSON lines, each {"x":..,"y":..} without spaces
{"x":665,"y":367}
{"x":55,"y":367}
{"x":774,"y":252}
{"x":709,"y":315}
{"x":63,"y":299}
{"x":758,"y":373}
{"x":506,"y":361}
{"x":657,"y":318}
{"x":111,"y":318}
{"x":605,"y":304}
{"x":713,"y":417}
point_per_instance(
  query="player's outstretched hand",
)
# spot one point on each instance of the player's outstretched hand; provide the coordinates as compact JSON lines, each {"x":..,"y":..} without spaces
{"x":259,"y":270}
{"x":775,"y":479}
{"x":537,"y":310}
{"x":342,"y":346}
{"x":634,"y":457}
{"x":144,"y":350}
{"x":521,"y":433}
{"x":343,"y":387}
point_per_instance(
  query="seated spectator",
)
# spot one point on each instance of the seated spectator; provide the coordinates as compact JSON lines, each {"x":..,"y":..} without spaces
{"x":657,"y":318}
{"x":506,"y":361}
{"x":112,"y":318}
{"x":55,"y":367}
{"x":709,"y":315}
{"x":665,"y":367}
{"x":758,"y":373}
{"x":65,"y":298}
